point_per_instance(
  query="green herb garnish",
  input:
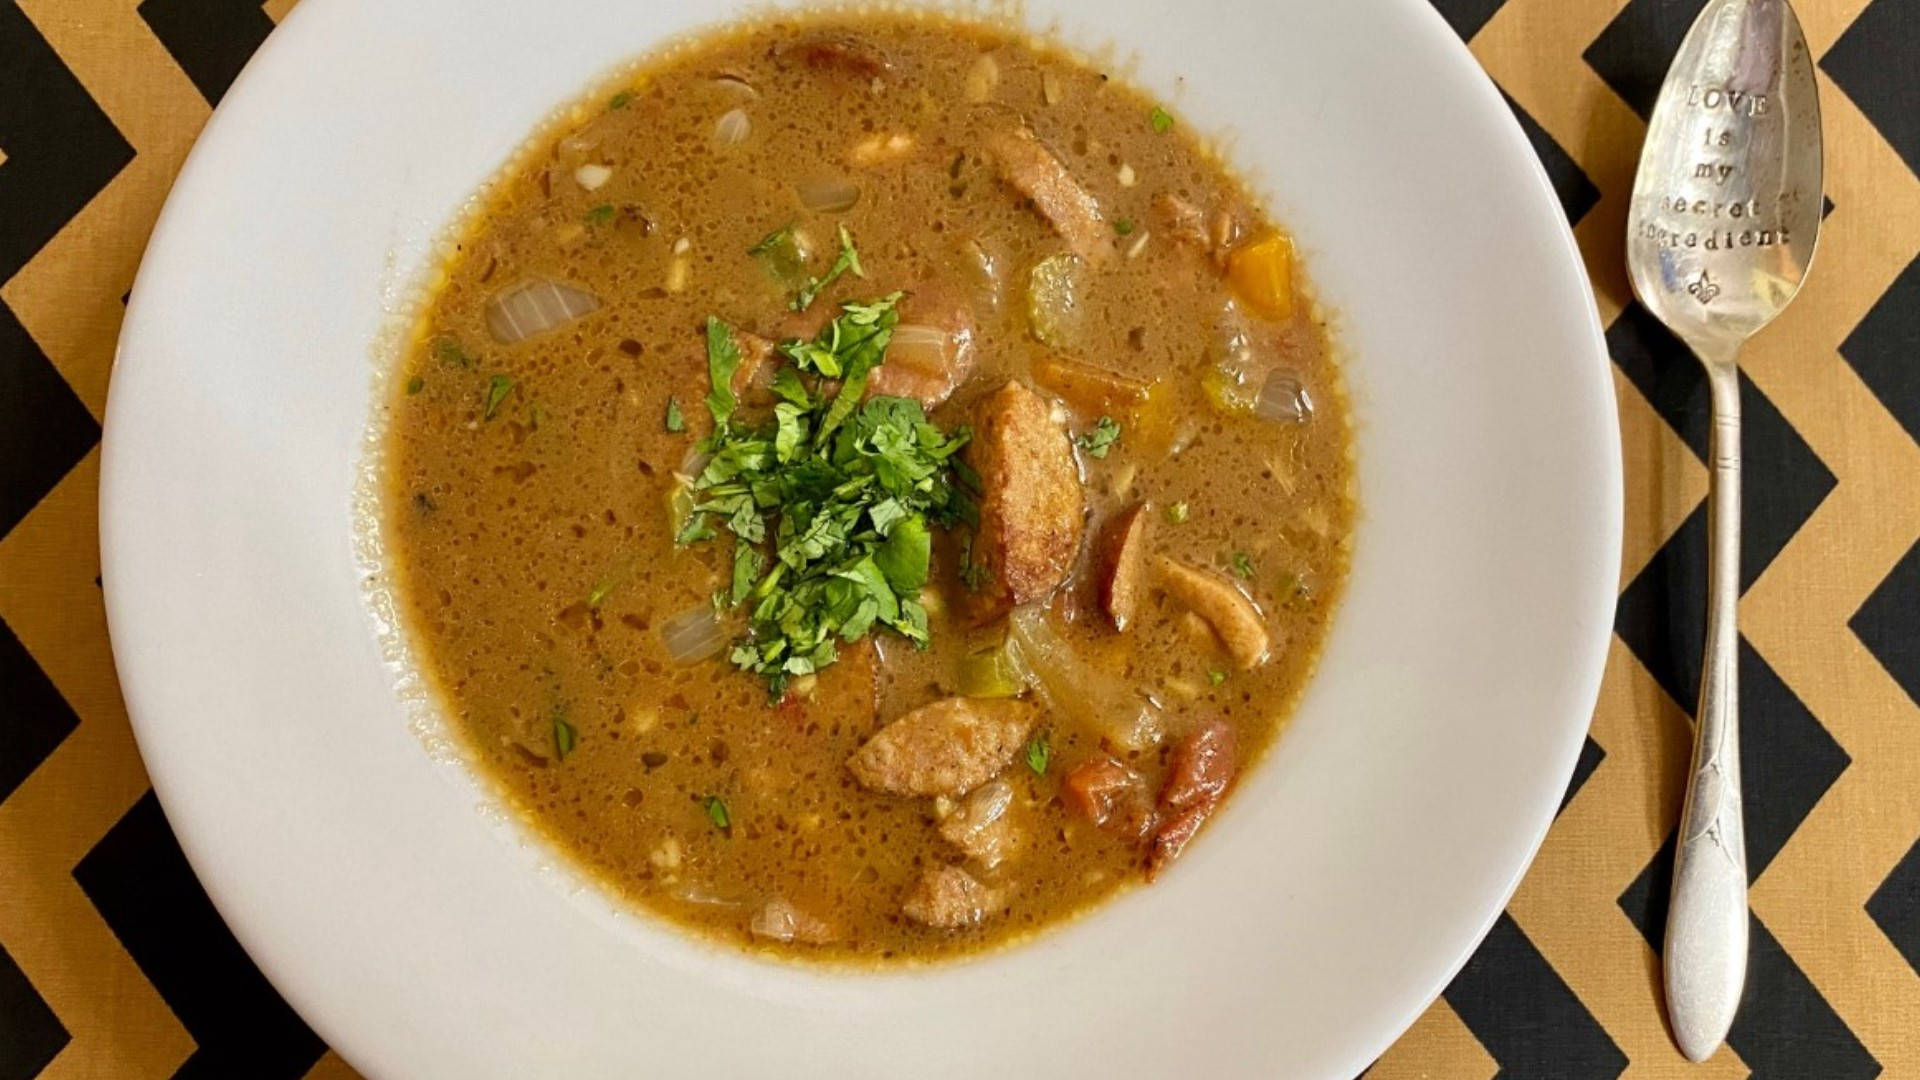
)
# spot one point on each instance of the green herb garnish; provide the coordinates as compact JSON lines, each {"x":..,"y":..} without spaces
{"x":415,"y":385}
{"x":1216,"y":676}
{"x":1038,"y":753}
{"x":848,"y":259}
{"x":565,"y":738}
{"x":599,"y":215}
{"x":447,"y":350}
{"x":1242,"y":564}
{"x":1176,"y":514}
{"x":619,"y":100}
{"x":1161,"y":119}
{"x":498,"y":388}
{"x":831,"y":502}
{"x":676,"y":423}
{"x":717,"y":812}
{"x":1123,"y":226}
{"x":1101,"y":439}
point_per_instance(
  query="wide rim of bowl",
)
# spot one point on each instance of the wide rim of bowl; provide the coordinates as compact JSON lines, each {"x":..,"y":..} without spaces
{"x":127,"y":507}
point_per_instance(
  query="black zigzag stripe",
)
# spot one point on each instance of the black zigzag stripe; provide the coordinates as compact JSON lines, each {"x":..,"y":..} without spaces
{"x":1882,"y":349}
{"x":34,"y":718}
{"x":1866,"y":63}
{"x":1632,"y":53}
{"x":61,"y":149}
{"x":44,"y":429}
{"x":1570,"y":183}
{"x":1886,"y":625}
{"x":143,"y":888}
{"x":211,"y":40}
{"x":30,"y":1035}
{"x":1526,"y":1017}
{"x":1467,"y":16}
{"x":1895,"y":907}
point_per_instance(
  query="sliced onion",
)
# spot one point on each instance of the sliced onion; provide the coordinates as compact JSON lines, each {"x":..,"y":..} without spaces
{"x":698,"y":894}
{"x":1073,"y":689}
{"x":522,"y":310}
{"x":1282,"y":399}
{"x":732,"y":128}
{"x":920,"y":347}
{"x":827,"y":194}
{"x":694,"y":462}
{"x":777,"y":920}
{"x":984,"y":272}
{"x":694,"y":635}
{"x":734,"y":86}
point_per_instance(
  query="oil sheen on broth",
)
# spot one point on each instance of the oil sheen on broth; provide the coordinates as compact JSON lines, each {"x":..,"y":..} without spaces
{"x":1129,"y":565}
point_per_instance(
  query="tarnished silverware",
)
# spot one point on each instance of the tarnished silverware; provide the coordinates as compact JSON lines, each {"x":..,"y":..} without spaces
{"x":1721,"y":230}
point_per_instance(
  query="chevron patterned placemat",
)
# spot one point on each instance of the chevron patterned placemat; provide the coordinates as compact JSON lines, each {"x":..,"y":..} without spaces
{"x":113,"y":964}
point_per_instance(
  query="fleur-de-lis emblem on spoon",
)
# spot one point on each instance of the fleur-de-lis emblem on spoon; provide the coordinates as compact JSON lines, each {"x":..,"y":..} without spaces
{"x":1704,"y":288}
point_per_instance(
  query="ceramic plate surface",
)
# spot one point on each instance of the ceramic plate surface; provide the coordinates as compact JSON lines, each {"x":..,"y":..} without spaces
{"x":418,"y":931}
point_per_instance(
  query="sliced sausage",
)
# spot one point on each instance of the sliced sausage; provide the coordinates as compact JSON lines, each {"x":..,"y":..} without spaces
{"x":833,"y":50}
{"x":1226,"y":609}
{"x":1032,"y":510}
{"x":1122,"y":562}
{"x":949,"y":898}
{"x":1202,"y":769}
{"x":1171,"y":838}
{"x":1203,"y":765}
{"x":947,"y":748}
{"x":1110,"y":795}
{"x":981,"y":827}
{"x":1034,"y":171}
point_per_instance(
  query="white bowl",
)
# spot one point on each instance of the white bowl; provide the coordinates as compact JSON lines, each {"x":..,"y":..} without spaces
{"x":419,"y":934}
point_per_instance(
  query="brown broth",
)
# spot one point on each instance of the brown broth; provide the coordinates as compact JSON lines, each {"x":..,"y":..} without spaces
{"x":502,"y":528}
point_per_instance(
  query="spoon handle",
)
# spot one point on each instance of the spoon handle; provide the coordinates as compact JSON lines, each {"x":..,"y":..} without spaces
{"x":1706,"y":948}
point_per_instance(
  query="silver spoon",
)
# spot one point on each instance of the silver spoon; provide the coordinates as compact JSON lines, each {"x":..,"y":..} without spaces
{"x":1721,"y":230}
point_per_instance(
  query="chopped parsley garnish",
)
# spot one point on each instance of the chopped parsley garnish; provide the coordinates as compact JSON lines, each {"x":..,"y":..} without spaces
{"x":447,"y":350}
{"x":676,"y":423}
{"x":415,"y":385}
{"x":1101,"y":439}
{"x":1161,"y":119}
{"x":1216,"y":676}
{"x":1123,"y":226}
{"x":1038,"y":753}
{"x":1177,"y":513}
{"x":565,"y":738}
{"x":619,"y":100}
{"x":717,"y":812}
{"x":498,"y":388}
{"x":848,"y":259}
{"x":599,"y":215}
{"x":831,"y":501}
{"x":536,"y":412}
{"x":1242,"y":564}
